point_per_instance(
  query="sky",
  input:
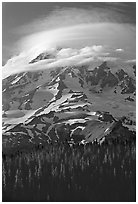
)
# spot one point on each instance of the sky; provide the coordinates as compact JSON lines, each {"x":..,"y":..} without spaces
{"x":93,"y":29}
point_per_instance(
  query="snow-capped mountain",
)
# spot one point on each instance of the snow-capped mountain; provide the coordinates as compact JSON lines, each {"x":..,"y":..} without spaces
{"x":74,"y":104}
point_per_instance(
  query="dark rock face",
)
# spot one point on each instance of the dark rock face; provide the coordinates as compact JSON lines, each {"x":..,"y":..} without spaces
{"x":104,"y":77}
{"x":134,"y":68}
{"x":128,"y":85}
{"x":42,"y":56}
{"x":109,"y":80}
{"x":121,"y":73}
{"x":106,"y":116}
{"x":129,"y":99}
{"x":98,"y":74}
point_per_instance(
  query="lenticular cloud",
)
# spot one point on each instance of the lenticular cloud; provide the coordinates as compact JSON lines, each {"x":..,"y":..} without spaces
{"x":88,"y":36}
{"x":62,"y":57}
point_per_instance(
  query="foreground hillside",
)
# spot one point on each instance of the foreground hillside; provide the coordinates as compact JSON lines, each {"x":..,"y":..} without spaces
{"x":89,"y":173}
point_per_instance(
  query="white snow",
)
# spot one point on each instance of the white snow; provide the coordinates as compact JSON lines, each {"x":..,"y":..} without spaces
{"x":16,"y":80}
{"x":72,"y":121}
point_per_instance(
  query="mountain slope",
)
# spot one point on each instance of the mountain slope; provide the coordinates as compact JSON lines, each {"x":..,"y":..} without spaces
{"x":74,"y":104}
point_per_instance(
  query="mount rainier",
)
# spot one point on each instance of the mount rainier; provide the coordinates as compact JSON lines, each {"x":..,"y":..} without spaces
{"x":75,"y":104}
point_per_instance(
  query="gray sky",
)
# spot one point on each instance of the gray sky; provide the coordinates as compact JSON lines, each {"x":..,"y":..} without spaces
{"x":30,"y":18}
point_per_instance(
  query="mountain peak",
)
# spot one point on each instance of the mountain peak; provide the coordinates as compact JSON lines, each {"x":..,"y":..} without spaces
{"x":103,"y":65}
{"x":43,"y":56}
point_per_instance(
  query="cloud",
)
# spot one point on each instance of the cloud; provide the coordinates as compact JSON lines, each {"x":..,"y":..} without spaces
{"x":108,"y":59}
{"x":76,"y":25}
{"x":84,"y":35}
{"x":76,"y":14}
{"x":72,"y":16}
{"x":119,"y":50}
{"x":105,"y":34}
{"x":63,"y":57}
{"x":70,"y":27}
{"x":131,"y":61}
{"x":67,"y":52}
{"x":92,"y":49}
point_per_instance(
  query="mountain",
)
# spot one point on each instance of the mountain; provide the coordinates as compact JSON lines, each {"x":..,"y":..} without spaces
{"x":73,"y":104}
